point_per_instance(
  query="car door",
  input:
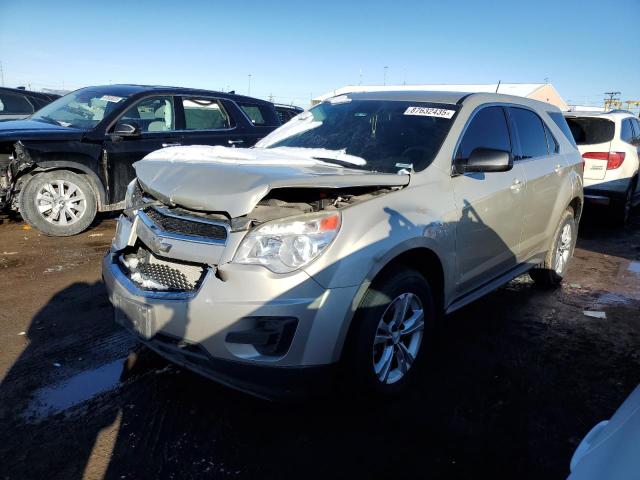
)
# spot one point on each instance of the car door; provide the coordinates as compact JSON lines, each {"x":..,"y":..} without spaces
{"x":208,"y":121}
{"x":154,"y":120}
{"x":489,"y":205}
{"x":537,"y":153}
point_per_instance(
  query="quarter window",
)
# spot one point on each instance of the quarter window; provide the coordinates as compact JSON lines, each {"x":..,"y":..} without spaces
{"x":153,"y":114}
{"x":488,"y":129}
{"x":552,"y":143}
{"x":259,"y":114}
{"x":626,"y":132}
{"x":530,"y":132}
{"x":202,"y":113}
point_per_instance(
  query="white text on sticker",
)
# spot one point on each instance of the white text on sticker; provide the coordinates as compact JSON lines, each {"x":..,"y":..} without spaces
{"x":430,"y":112}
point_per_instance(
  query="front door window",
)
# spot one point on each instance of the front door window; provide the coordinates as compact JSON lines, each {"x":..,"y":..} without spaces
{"x":153,"y":114}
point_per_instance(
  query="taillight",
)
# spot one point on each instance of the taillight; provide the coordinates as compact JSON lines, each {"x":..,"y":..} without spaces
{"x":614,"y":159}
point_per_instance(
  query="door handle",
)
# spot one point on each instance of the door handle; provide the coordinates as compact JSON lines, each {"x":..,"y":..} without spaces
{"x":234,"y":142}
{"x":517,"y":184}
{"x":176,"y":144}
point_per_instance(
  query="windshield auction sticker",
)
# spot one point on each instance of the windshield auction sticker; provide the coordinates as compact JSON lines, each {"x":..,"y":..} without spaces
{"x":429,"y":112}
{"x":111,"y":98}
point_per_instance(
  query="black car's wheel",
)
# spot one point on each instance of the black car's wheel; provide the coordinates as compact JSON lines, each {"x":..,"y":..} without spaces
{"x":556,"y":263}
{"x":392,"y":326}
{"x":622,"y":208}
{"x":59,"y":203}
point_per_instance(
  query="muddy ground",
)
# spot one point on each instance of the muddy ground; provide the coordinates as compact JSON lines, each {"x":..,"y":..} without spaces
{"x":517,"y":379}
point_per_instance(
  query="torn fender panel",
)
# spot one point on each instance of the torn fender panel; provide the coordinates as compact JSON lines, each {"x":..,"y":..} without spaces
{"x":235,"y":185}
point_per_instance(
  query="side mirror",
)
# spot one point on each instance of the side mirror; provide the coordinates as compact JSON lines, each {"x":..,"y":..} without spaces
{"x":126,"y":130}
{"x":485,"y":160}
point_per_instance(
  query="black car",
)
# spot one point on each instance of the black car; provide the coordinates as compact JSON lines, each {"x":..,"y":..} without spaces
{"x":16,"y":103}
{"x":287,"y":112}
{"x":74,"y":157}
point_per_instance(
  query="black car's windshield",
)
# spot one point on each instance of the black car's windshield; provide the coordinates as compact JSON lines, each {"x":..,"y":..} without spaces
{"x":376,"y":135}
{"x":83,"y":108}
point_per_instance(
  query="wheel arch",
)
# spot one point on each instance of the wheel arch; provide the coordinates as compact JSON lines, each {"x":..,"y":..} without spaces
{"x":421,"y":258}
{"x":94,"y":181}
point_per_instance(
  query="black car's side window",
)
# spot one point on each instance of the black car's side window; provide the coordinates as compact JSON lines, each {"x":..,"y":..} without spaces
{"x":152,"y":114}
{"x":529,"y":130}
{"x":14,"y":105}
{"x":202,"y":113}
{"x":488,"y":129}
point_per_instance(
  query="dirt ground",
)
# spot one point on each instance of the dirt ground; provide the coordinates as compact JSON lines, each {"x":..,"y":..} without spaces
{"x":516,"y":380}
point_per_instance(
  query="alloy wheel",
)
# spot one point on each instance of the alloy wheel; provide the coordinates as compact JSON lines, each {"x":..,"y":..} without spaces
{"x":398,"y":338}
{"x":563,"y":249}
{"x":61,"y":202}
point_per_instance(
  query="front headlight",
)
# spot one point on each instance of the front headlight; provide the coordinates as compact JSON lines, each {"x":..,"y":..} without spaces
{"x":133,"y":197}
{"x":289,"y":244}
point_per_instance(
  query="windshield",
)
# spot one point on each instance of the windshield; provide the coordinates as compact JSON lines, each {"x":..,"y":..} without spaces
{"x":376,"y":135}
{"x":83,"y":108}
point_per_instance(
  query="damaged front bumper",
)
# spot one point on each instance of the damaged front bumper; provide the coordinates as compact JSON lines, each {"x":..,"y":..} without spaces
{"x":242,"y":325}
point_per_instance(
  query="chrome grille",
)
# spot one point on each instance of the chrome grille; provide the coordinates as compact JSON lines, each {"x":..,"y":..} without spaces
{"x":149,"y":272}
{"x":186,"y":225}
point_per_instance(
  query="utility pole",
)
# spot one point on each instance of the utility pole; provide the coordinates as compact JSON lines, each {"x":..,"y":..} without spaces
{"x":608,"y":102}
{"x":360,"y":81}
{"x":385,"y":75}
{"x":404,"y":76}
{"x":249,"y":85}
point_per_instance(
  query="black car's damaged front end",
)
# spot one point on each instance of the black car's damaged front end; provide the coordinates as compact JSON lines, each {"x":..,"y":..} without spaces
{"x":14,"y":159}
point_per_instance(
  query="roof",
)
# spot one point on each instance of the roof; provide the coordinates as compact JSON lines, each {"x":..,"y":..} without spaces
{"x":410,"y":96}
{"x":516,"y":89}
{"x":30,"y":93}
{"x":591,"y":113}
{"x":126,"y":90}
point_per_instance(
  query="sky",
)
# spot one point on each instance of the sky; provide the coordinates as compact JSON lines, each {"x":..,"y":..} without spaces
{"x":293,"y":51}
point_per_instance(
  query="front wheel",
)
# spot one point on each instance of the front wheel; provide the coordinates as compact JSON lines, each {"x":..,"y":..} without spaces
{"x":556,"y":264}
{"x":59,"y":203}
{"x":392,"y":325}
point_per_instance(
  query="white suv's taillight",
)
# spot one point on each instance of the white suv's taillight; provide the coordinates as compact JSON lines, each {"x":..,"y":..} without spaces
{"x":614,"y":159}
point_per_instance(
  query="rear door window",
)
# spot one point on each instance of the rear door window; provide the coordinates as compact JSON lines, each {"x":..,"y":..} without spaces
{"x":488,"y":129}
{"x":14,"y":105}
{"x":202,"y":113}
{"x":259,"y":115}
{"x":591,"y":130}
{"x":626,"y":131}
{"x":530,"y":133}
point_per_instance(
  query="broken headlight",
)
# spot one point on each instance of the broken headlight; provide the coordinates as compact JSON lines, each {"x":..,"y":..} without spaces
{"x":133,"y":198}
{"x":290,"y":243}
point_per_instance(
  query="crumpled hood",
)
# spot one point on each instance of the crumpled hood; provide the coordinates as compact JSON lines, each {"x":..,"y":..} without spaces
{"x":234,"y":180}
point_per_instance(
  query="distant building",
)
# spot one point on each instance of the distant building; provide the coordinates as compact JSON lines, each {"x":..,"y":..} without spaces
{"x":544,"y":92}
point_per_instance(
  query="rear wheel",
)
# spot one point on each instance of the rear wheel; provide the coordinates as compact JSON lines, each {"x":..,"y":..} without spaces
{"x":393,"y":324}
{"x":622,"y":208}
{"x":58,"y":203}
{"x":556,"y":263}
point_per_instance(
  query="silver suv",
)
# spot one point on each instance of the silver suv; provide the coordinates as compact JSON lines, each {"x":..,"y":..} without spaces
{"x":342,"y":237}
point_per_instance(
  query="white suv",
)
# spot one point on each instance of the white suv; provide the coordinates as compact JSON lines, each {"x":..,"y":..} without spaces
{"x":609,"y":144}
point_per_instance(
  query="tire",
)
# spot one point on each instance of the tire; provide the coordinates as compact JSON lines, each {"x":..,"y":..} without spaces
{"x":622,"y":208}
{"x":365,"y":359}
{"x":43,"y":190}
{"x":554,"y":268}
